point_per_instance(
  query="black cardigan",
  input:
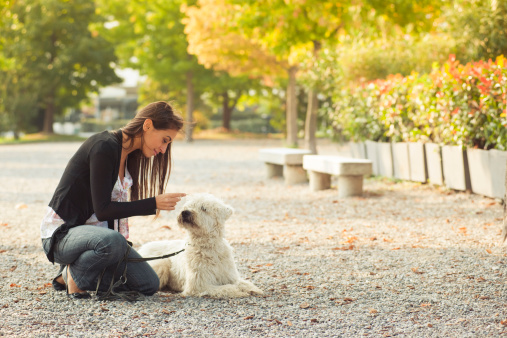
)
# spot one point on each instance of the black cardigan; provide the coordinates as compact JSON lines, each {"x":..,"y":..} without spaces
{"x":86,"y":185}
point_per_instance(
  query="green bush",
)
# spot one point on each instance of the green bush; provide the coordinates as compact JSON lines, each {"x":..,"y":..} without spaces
{"x":454,"y":104}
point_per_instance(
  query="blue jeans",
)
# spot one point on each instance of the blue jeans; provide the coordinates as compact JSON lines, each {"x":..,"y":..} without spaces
{"x":89,"y":249}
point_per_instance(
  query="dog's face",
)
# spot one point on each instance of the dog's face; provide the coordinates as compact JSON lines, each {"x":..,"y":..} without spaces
{"x":204,"y":215}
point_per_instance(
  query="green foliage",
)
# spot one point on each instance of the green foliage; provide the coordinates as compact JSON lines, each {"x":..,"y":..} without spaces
{"x":479,"y":27}
{"x":455,"y":104}
{"x":52,"y":54}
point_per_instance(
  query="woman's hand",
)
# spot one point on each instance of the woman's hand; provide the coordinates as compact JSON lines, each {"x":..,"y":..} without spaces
{"x":168,"y":201}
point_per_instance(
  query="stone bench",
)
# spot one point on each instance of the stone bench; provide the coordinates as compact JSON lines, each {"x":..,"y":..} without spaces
{"x":350,"y":172}
{"x":286,"y":162}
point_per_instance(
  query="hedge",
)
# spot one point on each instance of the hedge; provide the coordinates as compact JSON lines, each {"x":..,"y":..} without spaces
{"x":455,"y":104}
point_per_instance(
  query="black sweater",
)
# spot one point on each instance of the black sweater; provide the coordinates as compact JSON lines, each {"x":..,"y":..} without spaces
{"x":86,"y":185}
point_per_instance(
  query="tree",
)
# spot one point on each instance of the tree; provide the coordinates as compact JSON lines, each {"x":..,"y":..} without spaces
{"x":56,"y":51}
{"x":215,"y":38}
{"x":151,"y":39}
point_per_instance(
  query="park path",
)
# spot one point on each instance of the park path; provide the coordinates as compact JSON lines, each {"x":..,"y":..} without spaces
{"x":405,"y":259}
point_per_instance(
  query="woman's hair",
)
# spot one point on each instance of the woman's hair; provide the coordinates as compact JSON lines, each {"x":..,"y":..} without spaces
{"x":150,"y":176}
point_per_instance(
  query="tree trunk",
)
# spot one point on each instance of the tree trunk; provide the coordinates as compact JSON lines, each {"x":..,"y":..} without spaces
{"x":291,"y":110}
{"x":190,"y":108}
{"x":226,"y":112}
{"x":49,"y":115}
{"x":311,"y":112}
{"x":311,"y":122}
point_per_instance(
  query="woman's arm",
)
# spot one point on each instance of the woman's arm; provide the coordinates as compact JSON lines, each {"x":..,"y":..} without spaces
{"x":102,"y":169}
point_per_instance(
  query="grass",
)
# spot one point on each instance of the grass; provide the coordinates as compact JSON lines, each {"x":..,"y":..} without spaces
{"x":40,"y":137}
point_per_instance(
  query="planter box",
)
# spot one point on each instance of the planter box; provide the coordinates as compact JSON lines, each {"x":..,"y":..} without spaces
{"x":372,"y":155}
{"x":385,"y":159}
{"x":455,"y":165}
{"x":498,"y":165}
{"x":417,"y":159}
{"x":480,"y":173}
{"x":401,"y":162}
{"x":434,"y":163}
{"x":357,"y":150}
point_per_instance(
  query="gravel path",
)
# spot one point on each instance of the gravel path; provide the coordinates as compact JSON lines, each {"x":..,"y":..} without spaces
{"x":403,"y":260}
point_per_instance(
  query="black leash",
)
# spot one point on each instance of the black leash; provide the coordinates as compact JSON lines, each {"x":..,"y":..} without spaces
{"x":130,"y":296}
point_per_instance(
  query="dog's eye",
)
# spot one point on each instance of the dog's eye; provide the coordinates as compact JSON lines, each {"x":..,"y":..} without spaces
{"x":203,"y":209}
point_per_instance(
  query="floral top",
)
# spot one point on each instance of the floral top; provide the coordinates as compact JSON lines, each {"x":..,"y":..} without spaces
{"x":120,"y":193}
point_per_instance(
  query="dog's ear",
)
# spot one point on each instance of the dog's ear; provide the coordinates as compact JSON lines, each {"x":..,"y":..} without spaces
{"x":228,"y":211}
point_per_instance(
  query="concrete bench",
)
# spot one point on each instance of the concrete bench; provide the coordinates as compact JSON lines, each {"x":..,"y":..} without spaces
{"x":286,"y":162}
{"x":350,"y":172}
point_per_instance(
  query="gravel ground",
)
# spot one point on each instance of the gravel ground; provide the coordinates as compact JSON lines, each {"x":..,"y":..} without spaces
{"x":403,"y":260}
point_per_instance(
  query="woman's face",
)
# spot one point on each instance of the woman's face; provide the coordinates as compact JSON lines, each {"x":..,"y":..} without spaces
{"x":157,"y":140}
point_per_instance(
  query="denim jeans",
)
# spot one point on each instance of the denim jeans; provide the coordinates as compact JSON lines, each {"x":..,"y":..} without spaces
{"x":89,"y":249}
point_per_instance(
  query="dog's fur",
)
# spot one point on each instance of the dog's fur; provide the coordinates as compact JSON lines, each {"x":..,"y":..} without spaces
{"x":206,"y":267}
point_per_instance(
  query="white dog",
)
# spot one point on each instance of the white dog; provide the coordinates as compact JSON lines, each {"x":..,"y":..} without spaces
{"x":206,"y":267}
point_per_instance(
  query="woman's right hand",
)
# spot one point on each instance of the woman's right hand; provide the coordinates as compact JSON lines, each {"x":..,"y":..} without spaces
{"x":168,"y":201}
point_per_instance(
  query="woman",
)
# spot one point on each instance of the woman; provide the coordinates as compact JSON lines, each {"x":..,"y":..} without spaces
{"x":85,"y":228}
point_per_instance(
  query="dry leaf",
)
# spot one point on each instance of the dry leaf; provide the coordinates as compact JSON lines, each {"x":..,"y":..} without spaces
{"x":373,"y":311}
{"x":304,"y":305}
{"x":4,"y":224}
{"x":165,"y":227}
{"x":21,"y":206}
{"x":504,"y":322}
{"x":269,"y":264}
{"x":248,"y":317}
{"x":489,"y":251}
{"x":313,"y":320}
{"x":13,"y":268}
{"x":397,"y":248}
{"x":310,"y":287}
{"x":289,"y":323}
{"x":430,"y":325}
{"x":425,"y":304}
{"x":416,"y":270}
{"x":13,"y":285}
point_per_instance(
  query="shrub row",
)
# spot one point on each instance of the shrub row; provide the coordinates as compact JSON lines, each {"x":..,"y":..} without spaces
{"x":454,"y":104}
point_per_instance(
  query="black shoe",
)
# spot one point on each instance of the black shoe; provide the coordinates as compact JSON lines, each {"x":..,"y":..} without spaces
{"x":58,"y":286}
{"x":75,"y":295}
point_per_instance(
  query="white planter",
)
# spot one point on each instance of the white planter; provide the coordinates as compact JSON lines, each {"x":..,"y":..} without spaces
{"x":498,"y":165}
{"x":480,"y":173}
{"x":385,"y":159}
{"x":357,"y":150}
{"x":401,"y":162}
{"x":455,"y":166}
{"x":433,"y":154}
{"x":417,"y":159}
{"x":372,"y":155}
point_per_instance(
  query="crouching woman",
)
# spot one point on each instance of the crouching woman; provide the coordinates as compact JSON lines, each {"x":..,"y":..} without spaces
{"x":85,"y":228}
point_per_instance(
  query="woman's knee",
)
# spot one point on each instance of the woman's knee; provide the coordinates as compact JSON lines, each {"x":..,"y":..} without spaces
{"x":152,"y":285}
{"x":112,"y":245}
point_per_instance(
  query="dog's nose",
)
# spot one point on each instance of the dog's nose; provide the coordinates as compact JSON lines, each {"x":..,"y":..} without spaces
{"x":185,"y":213}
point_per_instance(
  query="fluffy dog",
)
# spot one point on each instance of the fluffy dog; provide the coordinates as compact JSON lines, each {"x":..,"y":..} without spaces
{"x":206,"y":267}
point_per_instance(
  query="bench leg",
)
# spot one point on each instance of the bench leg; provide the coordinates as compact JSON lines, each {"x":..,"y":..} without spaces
{"x":273,"y":170}
{"x":294,"y":174}
{"x":350,"y":186}
{"x":319,"y":181}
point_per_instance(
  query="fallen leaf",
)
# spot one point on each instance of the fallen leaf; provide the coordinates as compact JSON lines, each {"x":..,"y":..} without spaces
{"x":373,"y":311}
{"x":269,"y":264}
{"x":489,"y":251}
{"x":13,"y":268}
{"x":4,"y":224}
{"x":165,"y":227}
{"x":397,"y":248}
{"x":310,"y":287}
{"x":304,"y":305}
{"x":504,"y":322}
{"x":13,"y":285}
{"x":350,"y":247}
{"x":21,"y":206}
{"x":425,"y":304}
{"x":289,"y":323}
{"x":430,"y":325}
{"x":416,"y":270}
{"x":43,"y":292}
{"x":104,"y":309}
{"x":248,"y":317}
{"x":313,"y":320}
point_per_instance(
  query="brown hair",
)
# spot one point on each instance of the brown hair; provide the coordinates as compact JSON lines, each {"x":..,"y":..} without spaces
{"x":150,"y":176}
